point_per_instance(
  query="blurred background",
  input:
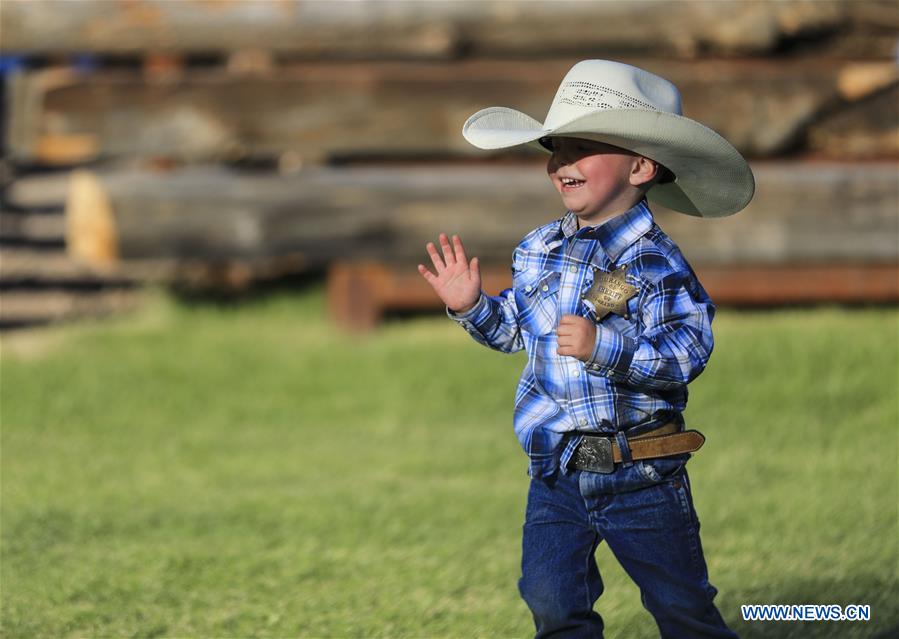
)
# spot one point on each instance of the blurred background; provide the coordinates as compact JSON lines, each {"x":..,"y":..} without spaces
{"x":221,"y":144}
{"x":232,"y":407}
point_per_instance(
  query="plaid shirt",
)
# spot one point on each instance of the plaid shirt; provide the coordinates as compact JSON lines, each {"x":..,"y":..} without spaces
{"x":637,"y":376}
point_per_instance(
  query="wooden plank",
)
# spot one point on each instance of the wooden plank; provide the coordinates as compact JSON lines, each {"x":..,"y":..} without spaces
{"x":359,"y":293}
{"x":19,"y":264}
{"x":810,"y":213}
{"x":67,"y":149}
{"x":20,"y":308}
{"x":867,"y":129}
{"x":24,"y":267}
{"x":331,"y":111}
{"x":442,"y":28}
{"x":91,"y":235}
{"x":38,"y":228}
{"x":767,"y":284}
{"x":43,"y":190}
{"x":816,"y":212}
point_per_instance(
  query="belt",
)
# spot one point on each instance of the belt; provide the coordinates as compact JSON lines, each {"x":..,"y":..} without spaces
{"x":600,"y":454}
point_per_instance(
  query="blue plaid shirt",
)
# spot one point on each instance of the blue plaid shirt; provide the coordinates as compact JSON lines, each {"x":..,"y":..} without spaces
{"x":637,"y":376}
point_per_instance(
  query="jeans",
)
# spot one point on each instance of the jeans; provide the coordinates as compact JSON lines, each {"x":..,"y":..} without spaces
{"x":644,"y":511}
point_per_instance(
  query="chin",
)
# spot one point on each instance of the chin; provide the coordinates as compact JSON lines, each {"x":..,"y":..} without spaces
{"x":578,"y":209}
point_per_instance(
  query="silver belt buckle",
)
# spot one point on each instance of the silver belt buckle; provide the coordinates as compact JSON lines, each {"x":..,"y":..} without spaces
{"x":595,"y":454}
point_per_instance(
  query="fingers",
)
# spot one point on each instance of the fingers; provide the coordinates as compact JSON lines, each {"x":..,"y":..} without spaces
{"x":475,"y":268}
{"x":570,"y":340}
{"x":459,"y":249}
{"x":573,"y":350}
{"x":449,"y":255}
{"x":435,"y":257}
{"x":568,"y":324}
{"x":427,"y":274}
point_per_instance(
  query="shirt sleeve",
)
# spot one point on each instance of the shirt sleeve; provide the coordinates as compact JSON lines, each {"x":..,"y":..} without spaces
{"x":493,"y":321}
{"x":674,"y":347}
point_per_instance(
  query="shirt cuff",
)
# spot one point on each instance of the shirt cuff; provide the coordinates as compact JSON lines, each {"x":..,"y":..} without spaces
{"x":612,"y":354}
{"x":473,"y":314}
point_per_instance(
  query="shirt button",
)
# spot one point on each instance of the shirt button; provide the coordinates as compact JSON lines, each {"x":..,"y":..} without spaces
{"x":572,"y":268}
{"x":576,"y":373}
{"x":583,"y":422}
{"x":595,"y":367}
{"x":545,"y":288}
{"x":529,"y":288}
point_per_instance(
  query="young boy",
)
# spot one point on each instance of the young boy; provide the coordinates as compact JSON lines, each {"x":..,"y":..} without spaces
{"x":615,"y":325}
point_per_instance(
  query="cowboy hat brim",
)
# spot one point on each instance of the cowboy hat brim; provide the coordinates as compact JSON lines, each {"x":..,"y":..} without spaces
{"x":712,"y":178}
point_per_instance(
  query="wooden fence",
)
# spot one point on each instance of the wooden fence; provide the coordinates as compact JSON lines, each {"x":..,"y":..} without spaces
{"x":237,"y":141}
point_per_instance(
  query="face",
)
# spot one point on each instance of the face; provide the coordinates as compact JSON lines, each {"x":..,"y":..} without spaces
{"x":595,"y":179}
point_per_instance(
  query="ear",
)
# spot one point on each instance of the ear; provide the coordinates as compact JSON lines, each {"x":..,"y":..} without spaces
{"x":642,"y":170}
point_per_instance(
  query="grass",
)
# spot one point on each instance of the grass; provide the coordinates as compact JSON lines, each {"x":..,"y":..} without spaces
{"x":203,"y":471}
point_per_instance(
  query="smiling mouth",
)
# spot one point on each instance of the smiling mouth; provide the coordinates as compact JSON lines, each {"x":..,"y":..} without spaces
{"x":571,"y":183}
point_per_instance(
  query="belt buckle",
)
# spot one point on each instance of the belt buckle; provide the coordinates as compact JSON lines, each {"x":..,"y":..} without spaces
{"x":596,"y":455}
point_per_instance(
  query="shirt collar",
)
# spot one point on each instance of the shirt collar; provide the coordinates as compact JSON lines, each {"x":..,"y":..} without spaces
{"x":614,"y":235}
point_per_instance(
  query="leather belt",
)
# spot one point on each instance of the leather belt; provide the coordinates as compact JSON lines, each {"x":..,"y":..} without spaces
{"x":600,"y":454}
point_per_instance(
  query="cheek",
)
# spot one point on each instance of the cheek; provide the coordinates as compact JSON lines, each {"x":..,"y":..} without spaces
{"x":602,"y":175}
{"x":593,"y":168}
{"x":600,"y":183}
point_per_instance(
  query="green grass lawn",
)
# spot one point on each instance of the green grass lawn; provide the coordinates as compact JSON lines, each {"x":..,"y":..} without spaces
{"x":201,"y":471}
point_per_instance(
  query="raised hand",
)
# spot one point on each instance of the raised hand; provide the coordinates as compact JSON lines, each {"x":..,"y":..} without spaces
{"x":458,"y":282}
{"x":576,"y":336}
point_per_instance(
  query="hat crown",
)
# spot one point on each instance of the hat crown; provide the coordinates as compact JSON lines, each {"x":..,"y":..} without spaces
{"x":593,"y":85}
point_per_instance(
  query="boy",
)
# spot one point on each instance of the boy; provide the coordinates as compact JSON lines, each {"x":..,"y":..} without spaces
{"x":615,"y":325}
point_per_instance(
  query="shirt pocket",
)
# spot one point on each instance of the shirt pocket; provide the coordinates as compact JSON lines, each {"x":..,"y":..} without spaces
{"x":537,"y":295}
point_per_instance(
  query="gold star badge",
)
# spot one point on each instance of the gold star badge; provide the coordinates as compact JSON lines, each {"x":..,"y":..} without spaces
{"x":610,"y":293}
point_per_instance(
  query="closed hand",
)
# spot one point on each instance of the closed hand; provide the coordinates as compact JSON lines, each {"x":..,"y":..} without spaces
{"x":576,"y":336}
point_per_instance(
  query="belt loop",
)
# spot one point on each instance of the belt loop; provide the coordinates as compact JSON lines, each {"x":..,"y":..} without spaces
{"x":624,"y":447}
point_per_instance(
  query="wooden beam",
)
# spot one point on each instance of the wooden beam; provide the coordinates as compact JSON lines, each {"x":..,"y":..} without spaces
{"x":866,"y":129}
{"x":360,"y":293}
{"x":768,"y":285}
{"x":316,"y":112}
{"x":38,"y":228}
{"x":440,"y":29}
{"x":20,"y":265}
{"x":805,"y":213}
{"x":24,"y":308}
{"x":91,"y":234}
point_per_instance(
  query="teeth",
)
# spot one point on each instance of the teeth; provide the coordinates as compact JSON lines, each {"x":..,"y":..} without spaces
{"x":570,"y":181}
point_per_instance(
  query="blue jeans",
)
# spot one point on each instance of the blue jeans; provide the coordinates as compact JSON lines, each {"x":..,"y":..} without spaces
{"x":644,"y":511}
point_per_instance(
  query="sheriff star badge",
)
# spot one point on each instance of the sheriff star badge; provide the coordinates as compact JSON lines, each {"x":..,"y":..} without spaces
{"x":610,"y":293}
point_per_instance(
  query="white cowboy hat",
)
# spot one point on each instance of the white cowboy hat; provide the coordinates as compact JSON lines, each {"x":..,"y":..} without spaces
{"x":634,"y":109}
